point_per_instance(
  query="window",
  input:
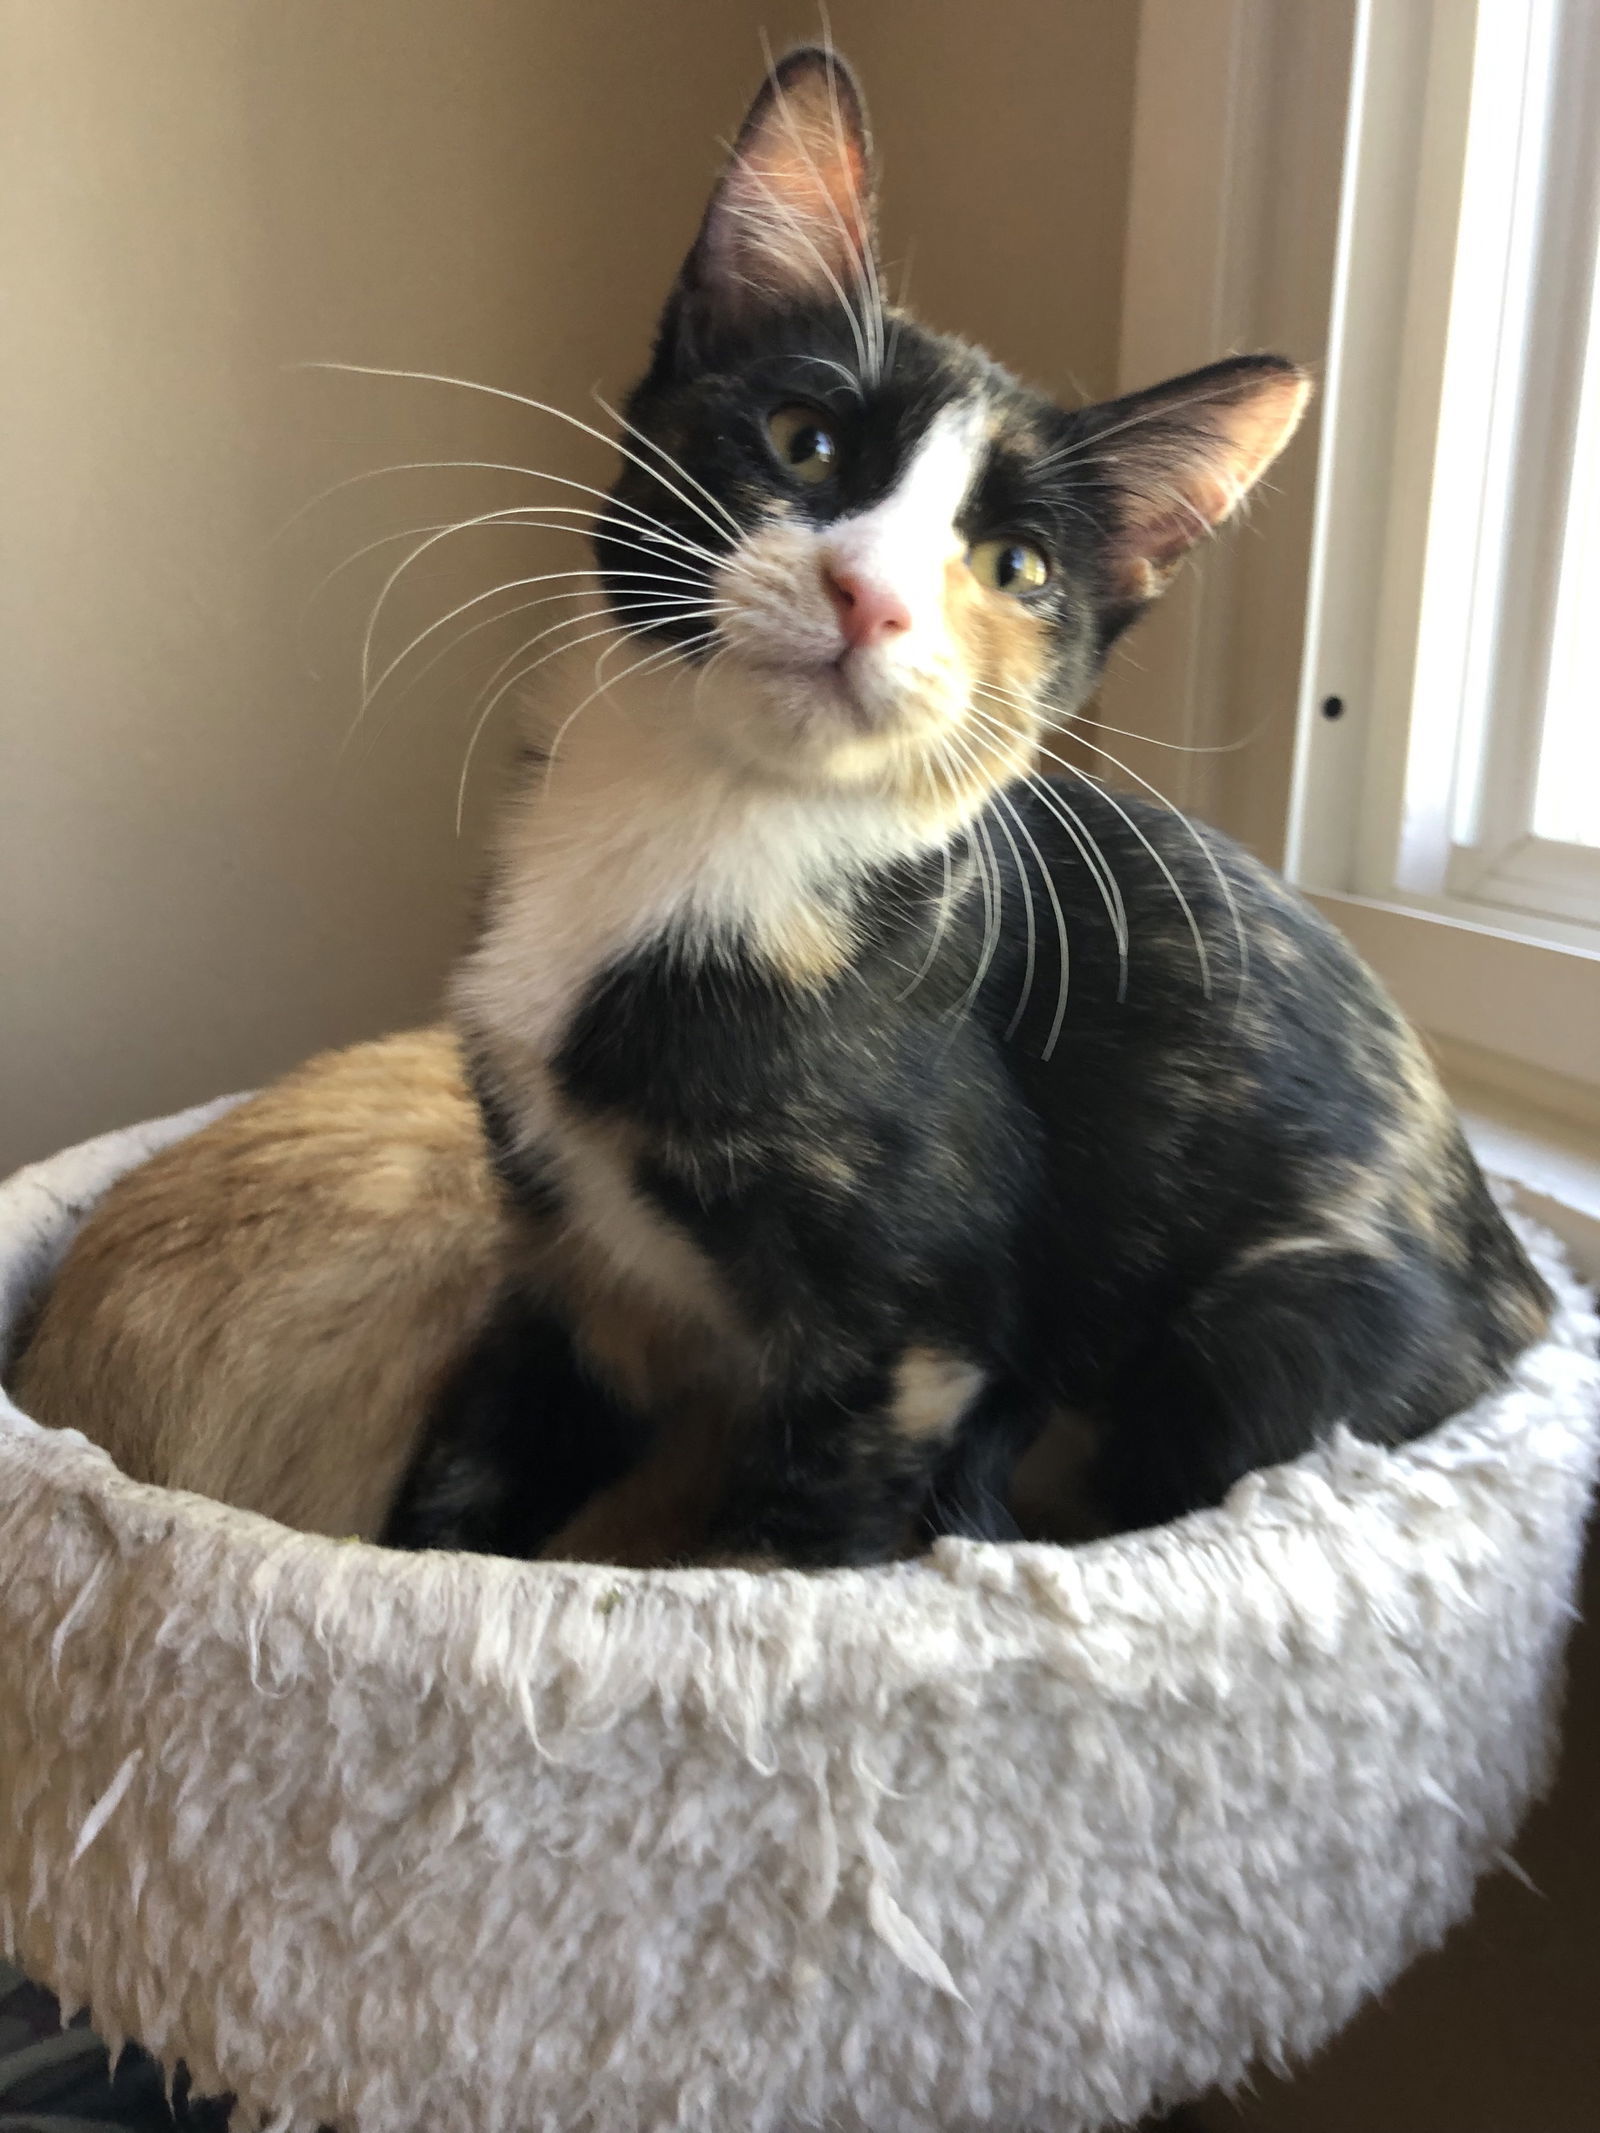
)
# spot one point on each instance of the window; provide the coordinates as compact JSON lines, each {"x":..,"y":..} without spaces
{"x":1448,"y":767}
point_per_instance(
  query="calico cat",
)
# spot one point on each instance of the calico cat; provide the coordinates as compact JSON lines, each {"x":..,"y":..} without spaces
{"x":264,"y":1312}
{"x":857,"y":1098}
{"x":884,"y":1095}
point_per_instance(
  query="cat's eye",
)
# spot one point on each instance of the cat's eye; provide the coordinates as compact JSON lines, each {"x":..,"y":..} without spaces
{"x":1009,"y":566}
{"x":803,"y":442}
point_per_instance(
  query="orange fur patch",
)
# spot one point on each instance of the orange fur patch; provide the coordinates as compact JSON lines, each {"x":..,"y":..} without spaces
{"x":264,"y":1312}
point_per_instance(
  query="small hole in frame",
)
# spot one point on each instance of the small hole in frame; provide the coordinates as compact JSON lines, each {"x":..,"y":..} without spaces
{"x":1333,"y":707}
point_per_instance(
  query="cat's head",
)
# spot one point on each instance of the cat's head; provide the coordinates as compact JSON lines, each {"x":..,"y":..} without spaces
{"x":893,"y":565}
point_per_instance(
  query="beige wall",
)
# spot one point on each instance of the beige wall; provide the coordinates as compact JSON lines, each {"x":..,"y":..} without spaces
{"x":193,"y":891}
{"x":195,"y":194}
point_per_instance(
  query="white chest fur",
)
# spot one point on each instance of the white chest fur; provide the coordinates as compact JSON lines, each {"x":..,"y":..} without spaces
{"x":640,"y":833}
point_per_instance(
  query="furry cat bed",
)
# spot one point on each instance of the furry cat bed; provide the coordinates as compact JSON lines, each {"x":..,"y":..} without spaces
{"x":1011,"y":1837}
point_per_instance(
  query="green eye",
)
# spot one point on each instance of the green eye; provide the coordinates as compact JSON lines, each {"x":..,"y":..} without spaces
{"x":803,"y":442}
{"x":1015,"y":567}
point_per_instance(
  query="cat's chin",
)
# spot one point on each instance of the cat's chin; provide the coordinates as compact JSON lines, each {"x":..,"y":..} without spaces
{"x":806,"y":692}
{"x":834,"y":723}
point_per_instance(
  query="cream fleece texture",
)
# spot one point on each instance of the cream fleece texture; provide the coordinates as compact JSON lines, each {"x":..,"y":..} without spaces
{"x":1016,"y":1838}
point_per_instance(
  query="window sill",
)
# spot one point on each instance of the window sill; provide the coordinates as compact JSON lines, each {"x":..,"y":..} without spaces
{"x":1553,"y":1162}
{"x":1490,"y":992}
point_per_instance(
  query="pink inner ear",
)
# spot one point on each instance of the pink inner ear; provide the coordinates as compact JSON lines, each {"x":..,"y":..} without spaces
{"x":792,"y":217}
{"x":1181,"y":482}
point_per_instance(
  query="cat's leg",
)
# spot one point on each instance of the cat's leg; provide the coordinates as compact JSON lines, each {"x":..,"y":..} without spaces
{"x":969,"y":1493}
{"x":520,"y":1437}
{"x":838,"y":1471}
{"x":1261,"y":1363}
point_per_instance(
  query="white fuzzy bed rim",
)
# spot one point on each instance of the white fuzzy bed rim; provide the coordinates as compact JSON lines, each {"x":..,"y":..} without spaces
{"x":1011,"y":1838}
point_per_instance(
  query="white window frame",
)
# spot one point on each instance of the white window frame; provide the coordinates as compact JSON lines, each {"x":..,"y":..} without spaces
{"x":1475,"y":362}
{"x":1238,"y":111}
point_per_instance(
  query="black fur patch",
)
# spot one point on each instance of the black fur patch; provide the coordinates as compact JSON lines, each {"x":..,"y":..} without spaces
{"x":1191,"y":1177}
{"x":1221,"y":1217}
{"x":519,"y":1438}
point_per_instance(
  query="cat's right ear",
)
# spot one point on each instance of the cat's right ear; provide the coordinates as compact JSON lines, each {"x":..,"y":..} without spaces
{"x":790,"y":224}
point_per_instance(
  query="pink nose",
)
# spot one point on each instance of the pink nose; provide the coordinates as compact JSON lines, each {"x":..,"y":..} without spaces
{"x":868,"y":613}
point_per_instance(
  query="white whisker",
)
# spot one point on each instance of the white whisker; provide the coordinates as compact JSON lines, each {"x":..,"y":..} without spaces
{"x":534,"y":666}
{"x":667,"y":459}
{"x":669,"y":654}
{"x":541,"y":407}
{"x":524,"y":518}
{"x":844,"y":370}
{"x":1202,"y":955}
{"x":1031,"y":921}
{"x":660,"y":528}
{"x":941,"y":919}
{"x":754,"y":218}
{"x":992,"y":913}
{"x":522,"y":675}
{"x":658,"y":609}
{"x":1094,"y":859}
{"x":506,"y":614}
{"x":543,"y":577}
{"x":866,"y":249}
{"x":1126,"y":733}
{"x":1064,"y":952}
{"x":1218,"y":872}
{"x":516,"y":514}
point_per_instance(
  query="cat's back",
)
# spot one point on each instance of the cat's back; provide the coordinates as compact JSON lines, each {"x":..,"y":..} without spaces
{"x":1230,"y":1072}
{"x":263,"y":1311}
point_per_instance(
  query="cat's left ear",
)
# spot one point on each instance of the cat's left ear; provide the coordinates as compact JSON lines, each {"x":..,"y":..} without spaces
{"x":791,"y":221}
{"x":1175,"y":461}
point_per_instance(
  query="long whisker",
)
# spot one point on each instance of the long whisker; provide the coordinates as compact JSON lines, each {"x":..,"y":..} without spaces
{"x":989,"y":875}
{"x":660,"y":528}
{"x":667,"y":459}
{"x":415,"y":555}
{"x":1063,"y":951}
{"x":506,"y":686}
{"x":1003,"y":798}
{"x":844,"y":370}
{"x":1031,"y":921}
{"x":941,"y":917}
{"x":525,"y":518}
{"x":705,"y":668}
{"x":991,"y":930}
{"x":1126,"y":733}
{"x":1088,"y":850}
{"x":1217,"y":870}
{"x":580,"y":519}
{"x":667,"y":654}
{"x":901,"y":302}
{"x":386,"y":540}
{"x":543,"y":577}
{"x":1201,"y":953}
{"x":1100,"y":869}
{"x":591,"y":590}
{"x":1162,"y":867}
{"x":514,"y":513}
{"x":753,"y":218}
{"x":660,"y":609}
{"x":540,"y":407}
{"x":991,"y":922}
